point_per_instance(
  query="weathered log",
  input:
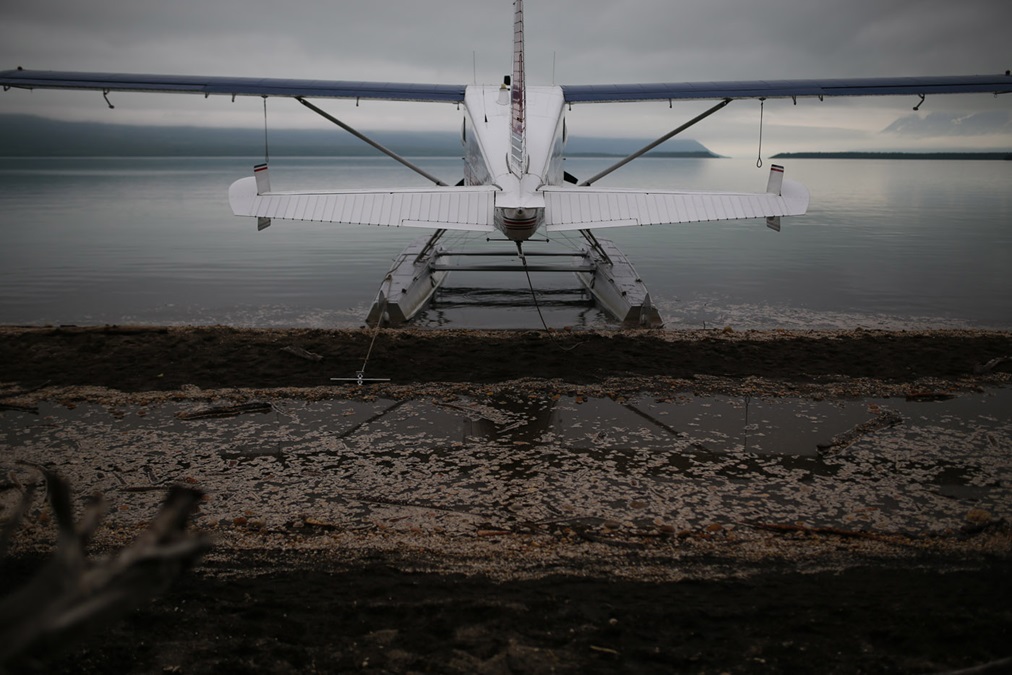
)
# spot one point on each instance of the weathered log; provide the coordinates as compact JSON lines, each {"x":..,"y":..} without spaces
{"x":71,"y":596}
{"x":226,"y":411}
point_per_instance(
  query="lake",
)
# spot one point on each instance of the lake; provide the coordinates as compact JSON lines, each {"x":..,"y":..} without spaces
{"x":885,"y":244}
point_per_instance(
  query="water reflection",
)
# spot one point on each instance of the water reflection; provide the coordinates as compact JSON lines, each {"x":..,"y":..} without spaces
{"x":680,"y":460}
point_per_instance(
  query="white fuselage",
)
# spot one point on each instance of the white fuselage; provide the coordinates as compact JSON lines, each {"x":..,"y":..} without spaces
{"x":519,"y":205}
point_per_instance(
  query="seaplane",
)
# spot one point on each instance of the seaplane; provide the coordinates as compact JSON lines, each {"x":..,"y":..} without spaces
{"x":514,"y":187}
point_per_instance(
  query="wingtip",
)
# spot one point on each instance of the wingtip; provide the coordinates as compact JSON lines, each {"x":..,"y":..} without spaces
{"x":241,"y":195}
{"x":796,"y":195}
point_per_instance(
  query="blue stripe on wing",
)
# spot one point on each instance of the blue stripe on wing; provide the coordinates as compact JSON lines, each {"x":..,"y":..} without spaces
{"x":868,"y":86}
{"x":236,"y":86}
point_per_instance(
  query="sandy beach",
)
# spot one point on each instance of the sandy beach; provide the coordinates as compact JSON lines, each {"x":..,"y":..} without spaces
{"x":136,"y":359}
{"x":518,"y":501}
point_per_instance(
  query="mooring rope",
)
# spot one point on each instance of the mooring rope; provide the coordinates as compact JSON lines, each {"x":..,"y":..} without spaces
{"x":360,"y":377}
{"x":537,"y":305}
{"x":267,"y":154}
{"x":379,"y":323}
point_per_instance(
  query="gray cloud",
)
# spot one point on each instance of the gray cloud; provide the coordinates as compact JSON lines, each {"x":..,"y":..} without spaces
{"x":588,"y":41}
{"x":939,"y":124}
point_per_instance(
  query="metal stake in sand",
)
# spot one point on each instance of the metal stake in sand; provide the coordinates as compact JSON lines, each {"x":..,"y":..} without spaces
{"x":360,"y":378}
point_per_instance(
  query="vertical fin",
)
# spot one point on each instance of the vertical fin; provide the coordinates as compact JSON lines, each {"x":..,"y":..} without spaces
{"x":262,"y":175}
{"x":776,"y":181}
{"x":518,"y":145}
{"x":774,"y":187}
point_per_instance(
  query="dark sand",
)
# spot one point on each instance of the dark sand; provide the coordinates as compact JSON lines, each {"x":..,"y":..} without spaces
{"x":702,"y":601}
{"x":159,"y":359}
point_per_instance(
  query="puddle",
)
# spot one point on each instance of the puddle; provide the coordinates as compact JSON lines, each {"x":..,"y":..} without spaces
{"x":683,"y":461}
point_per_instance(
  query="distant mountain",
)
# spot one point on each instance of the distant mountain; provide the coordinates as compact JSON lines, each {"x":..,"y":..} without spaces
{"x":620,"y":147}
{"x":894,"y":155}
{"x":28,"y":136}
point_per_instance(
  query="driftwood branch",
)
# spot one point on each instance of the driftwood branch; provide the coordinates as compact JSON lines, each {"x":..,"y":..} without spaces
{"x":983,"y":368}
{"x":226,"y":411}
{"x":14,"y":407}
{"x":302,"y":353}
{"x":832,"y":531}
{"x":991,"y":668}
{"x":23,"y":392}
{"x":11,"y":526}
{"x":72,"y":596}
{"x":885,"y":419}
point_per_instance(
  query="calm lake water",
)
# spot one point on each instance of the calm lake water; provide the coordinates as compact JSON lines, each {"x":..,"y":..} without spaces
{"x":886,"y":244}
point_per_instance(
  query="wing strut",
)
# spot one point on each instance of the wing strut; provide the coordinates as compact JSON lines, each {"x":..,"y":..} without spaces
{"x":651,"y":146}
{"x":357,"y":134}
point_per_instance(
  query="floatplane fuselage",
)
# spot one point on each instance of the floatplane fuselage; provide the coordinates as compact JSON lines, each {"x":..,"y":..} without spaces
{"x":489,"y":141}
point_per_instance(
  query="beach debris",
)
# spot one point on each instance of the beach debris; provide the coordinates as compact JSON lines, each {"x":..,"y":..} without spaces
{"x":302,"y":353}
{"x":14,"y":393}
{"x":989,"y":668}
{"x":230,"y":410}
{"x":156,"y":485}
{"x":71,"y":596}
{"x":929,"y":396}
{"x":883,"y":420}
{"x":312,"y":521}
{"x":979,"y":521}
{"x":493,"y":533}
{"x":788,"y":528}
{"x":990,"y":365}
{"x":978,"y":516}
{"x":14,"y":407}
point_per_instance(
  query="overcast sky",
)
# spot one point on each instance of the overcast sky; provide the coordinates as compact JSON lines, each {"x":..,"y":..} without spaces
{"x":589,"y":41}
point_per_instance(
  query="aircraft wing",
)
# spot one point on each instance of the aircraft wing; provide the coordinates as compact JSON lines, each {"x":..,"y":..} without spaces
{"x":454,"y":93}
{"x":867,"y":86}
{"x":586,"y":208}
{"x":231,"y":86}
{"x":447,"y":208}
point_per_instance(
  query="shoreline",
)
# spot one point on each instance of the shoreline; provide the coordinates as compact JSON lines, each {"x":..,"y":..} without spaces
{"x":151,"y":358}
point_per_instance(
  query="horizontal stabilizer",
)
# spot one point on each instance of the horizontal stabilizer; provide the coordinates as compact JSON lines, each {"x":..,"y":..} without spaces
{"x":578,"y":208}
{"x":449,"y":208}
